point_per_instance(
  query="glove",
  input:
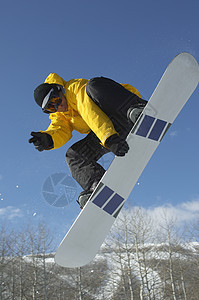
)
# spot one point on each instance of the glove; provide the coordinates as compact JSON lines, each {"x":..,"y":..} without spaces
{"x":117,"y":145}
{"x":42,"y":141}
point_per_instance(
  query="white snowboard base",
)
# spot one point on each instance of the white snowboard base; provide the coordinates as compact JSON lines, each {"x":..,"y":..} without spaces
{"x":83,"y":240}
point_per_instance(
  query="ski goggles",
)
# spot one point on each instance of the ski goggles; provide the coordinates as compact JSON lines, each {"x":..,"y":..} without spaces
{"x":51,"y":102}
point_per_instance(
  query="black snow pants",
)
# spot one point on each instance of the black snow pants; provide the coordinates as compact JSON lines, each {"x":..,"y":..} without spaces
{"x":114,"y":100}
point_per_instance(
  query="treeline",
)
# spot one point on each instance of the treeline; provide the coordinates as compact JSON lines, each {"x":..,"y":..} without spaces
{"x":155,"y":260}
{"x":141,"y":259}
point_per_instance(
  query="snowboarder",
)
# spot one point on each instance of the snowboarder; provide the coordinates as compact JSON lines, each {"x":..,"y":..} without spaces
{"x":100,"y":108}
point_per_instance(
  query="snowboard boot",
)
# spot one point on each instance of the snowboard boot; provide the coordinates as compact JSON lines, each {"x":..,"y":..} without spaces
{"x":85,"y":195}
{"x":83,"y":198}
{"x":134,"y":112}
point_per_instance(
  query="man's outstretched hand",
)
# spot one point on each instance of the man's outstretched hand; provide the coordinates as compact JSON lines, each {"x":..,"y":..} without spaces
{"x":42,"y":141}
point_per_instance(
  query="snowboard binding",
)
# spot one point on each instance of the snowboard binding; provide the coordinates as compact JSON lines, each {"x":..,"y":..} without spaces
{"x":134,"y":112}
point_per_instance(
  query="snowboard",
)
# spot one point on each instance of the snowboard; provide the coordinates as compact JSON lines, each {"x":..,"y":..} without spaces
{"x":88,"y":232}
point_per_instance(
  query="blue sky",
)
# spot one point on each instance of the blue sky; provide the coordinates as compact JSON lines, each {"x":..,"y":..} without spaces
{"x":128,"y":41}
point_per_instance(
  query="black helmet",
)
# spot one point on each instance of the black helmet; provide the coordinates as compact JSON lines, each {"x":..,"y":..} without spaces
{"x":43,"y":89}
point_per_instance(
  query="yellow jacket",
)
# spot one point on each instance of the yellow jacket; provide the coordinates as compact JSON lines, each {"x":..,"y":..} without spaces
{"x":83,"y":114}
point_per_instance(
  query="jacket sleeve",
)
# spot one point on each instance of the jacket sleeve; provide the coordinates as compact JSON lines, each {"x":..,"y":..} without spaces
{"x":95,"y":118}
{"x":59,"y":129}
